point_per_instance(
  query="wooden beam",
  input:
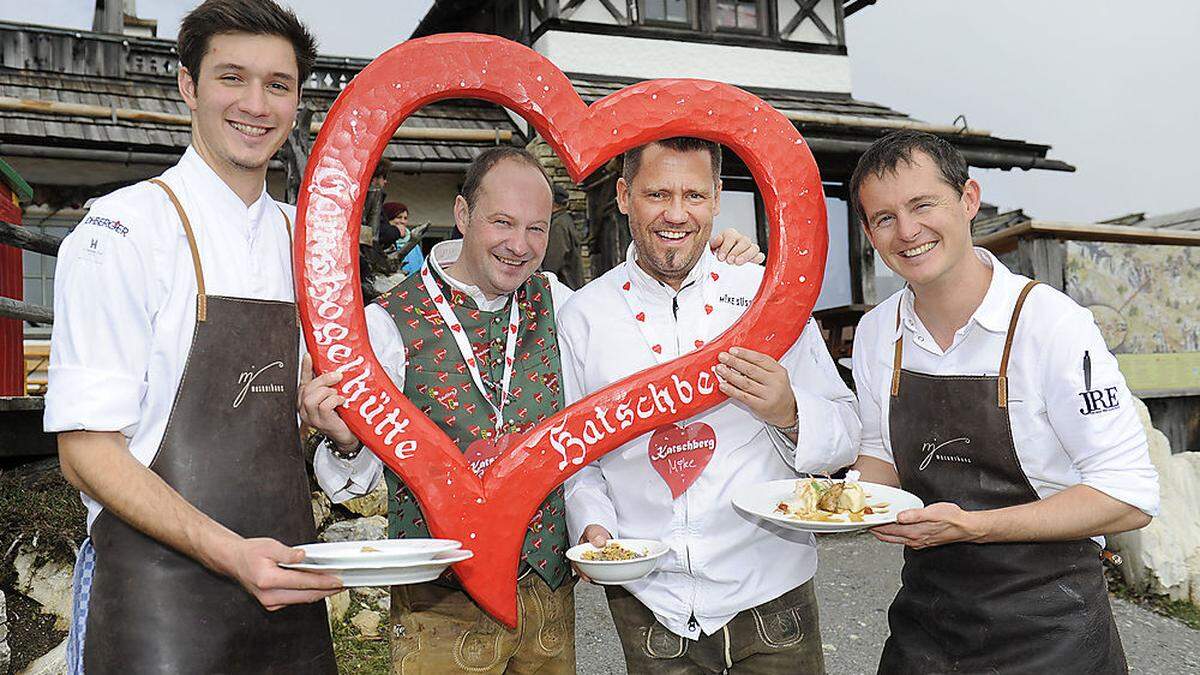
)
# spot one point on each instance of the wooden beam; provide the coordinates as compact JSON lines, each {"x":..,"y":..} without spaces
{"x":1043,"y":259}
{"x":856,"y":5}
{"x":1006,"y":240}
{"x":15,"y":309}
{"x":808,"y":10}
{"x":21,"y":432}
{"x":837,"y":120}
{"x":862,"y":260}
{"x":22,"y":403}
{"x":10,"y":104}
{"x":569,"y":8}
{"x":615,"y":13}
{"x":760,"y":222}
{"x":29,"y":240}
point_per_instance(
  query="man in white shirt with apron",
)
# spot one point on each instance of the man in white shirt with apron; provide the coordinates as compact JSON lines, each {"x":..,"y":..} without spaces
{"x":730,"y":593}
{"x":993,"y":399}
{"x":173,"y":383}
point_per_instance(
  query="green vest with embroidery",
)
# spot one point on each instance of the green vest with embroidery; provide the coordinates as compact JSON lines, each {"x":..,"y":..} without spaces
{"x":437,"y":381}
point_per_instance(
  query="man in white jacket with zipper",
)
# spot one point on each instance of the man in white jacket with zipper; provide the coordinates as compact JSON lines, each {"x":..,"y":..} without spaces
{"x":731,"y":590}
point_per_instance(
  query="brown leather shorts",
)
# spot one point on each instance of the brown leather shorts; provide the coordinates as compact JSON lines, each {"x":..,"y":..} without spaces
{"x":779,"y":636}
{"x":436,"y":629}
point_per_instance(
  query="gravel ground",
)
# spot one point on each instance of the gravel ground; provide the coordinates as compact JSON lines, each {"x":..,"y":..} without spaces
{"x":858,"y":578}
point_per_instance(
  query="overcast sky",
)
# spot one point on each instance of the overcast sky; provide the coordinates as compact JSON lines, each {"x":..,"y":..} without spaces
{"x":1112,"y":85}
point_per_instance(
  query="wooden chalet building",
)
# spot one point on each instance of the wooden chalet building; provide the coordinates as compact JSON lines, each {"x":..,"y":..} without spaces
{"x":791,"y":53}
{"x":84,"y":112}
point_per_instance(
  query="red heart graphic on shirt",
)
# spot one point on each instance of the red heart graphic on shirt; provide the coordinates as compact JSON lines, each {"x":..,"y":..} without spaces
{"x":490,"y":515}
{"x":447,"y":396}
{"x":679,"y":454}
{"x":480,"y":454}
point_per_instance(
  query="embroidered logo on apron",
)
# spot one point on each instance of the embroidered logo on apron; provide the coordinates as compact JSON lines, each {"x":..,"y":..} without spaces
{"x":679,"y":454}
{"x":933,"y":450}
{"x":247,"y":378}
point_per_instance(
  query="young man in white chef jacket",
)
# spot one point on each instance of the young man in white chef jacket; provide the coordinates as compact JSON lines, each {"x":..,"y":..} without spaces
{"x":168,"y":294}
{"x":730,"y":591}
{"x":996,"y":401}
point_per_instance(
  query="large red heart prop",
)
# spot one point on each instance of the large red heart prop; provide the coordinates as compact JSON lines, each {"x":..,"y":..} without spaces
{"x":490,"y":515}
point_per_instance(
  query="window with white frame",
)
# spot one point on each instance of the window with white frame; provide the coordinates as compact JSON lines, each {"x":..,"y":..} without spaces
{"x":739,"y":15}
{"x":38,"y":269}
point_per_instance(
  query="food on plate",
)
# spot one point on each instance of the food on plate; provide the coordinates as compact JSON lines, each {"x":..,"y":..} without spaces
{"x":826,"y":500}
{"x":369,"y":549}
{"x":612,"y":551}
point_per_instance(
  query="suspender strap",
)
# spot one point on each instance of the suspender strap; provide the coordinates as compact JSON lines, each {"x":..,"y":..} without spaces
{"x":899,"y":357}
{"x":201,"y":298}
{"x":1002,"y":383}
{"x":1002,"y":380}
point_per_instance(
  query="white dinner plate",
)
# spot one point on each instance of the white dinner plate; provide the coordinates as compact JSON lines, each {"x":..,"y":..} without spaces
{"x":376,"y":551}
{"x":761,"y":500}
{"x":388,"y":574}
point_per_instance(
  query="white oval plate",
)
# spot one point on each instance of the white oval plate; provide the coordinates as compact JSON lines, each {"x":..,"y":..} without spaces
{"x":616,"y":572}
{"x":389,"y":574}
{"x":385,"y":550}
{"x":760,"y":500}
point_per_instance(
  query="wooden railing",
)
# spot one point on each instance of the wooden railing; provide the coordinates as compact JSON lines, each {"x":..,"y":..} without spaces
{"x":27,"y":240}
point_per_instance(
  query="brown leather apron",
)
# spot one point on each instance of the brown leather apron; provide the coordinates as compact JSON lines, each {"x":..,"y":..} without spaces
{"x":231,"y":449}
{"x":986,"y":608}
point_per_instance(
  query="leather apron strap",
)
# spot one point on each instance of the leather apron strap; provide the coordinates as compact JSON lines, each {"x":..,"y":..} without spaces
{"x":201,"y":296}
{"x":1001,"y":382}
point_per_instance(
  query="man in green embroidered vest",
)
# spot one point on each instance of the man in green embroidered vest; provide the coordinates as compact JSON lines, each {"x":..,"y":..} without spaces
{"x":471,"y":341}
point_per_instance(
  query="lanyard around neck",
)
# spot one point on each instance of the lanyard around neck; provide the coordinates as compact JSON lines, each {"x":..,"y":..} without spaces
{"x":464,"y":347}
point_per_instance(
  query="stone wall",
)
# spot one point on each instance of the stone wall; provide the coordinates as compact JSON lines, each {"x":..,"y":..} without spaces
{"x":576,"y":202}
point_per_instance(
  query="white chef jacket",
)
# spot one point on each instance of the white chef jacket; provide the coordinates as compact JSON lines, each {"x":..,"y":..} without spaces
{"x":1059,"y":442}
{"x":344,"y":479}
{"x":125,"y":298}
{"x":721,"y":561}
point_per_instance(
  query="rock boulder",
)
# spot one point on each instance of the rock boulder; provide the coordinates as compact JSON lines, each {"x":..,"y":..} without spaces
{"x":1164,"y":557}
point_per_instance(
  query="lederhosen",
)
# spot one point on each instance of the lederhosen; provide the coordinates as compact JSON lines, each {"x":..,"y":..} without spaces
{"x":231,"y":449}
{"x":1038,"y":607}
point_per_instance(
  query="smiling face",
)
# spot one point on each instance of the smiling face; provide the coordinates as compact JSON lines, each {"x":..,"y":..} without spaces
{"x":401,"y":223}
{"x":504,"y":234}
{"x":671,"y":203}
{"x":243,"y":104}
{"x":919,"y":224}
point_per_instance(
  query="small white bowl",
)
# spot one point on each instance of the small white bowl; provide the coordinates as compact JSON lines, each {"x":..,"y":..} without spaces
{"x":616,"y":572}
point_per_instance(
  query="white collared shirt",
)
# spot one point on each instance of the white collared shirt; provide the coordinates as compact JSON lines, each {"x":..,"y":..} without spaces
{"x":344,"y":479}
{"x":125,"y":298}
{"x":720,"y":561}
{"x":1061,"y":439}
